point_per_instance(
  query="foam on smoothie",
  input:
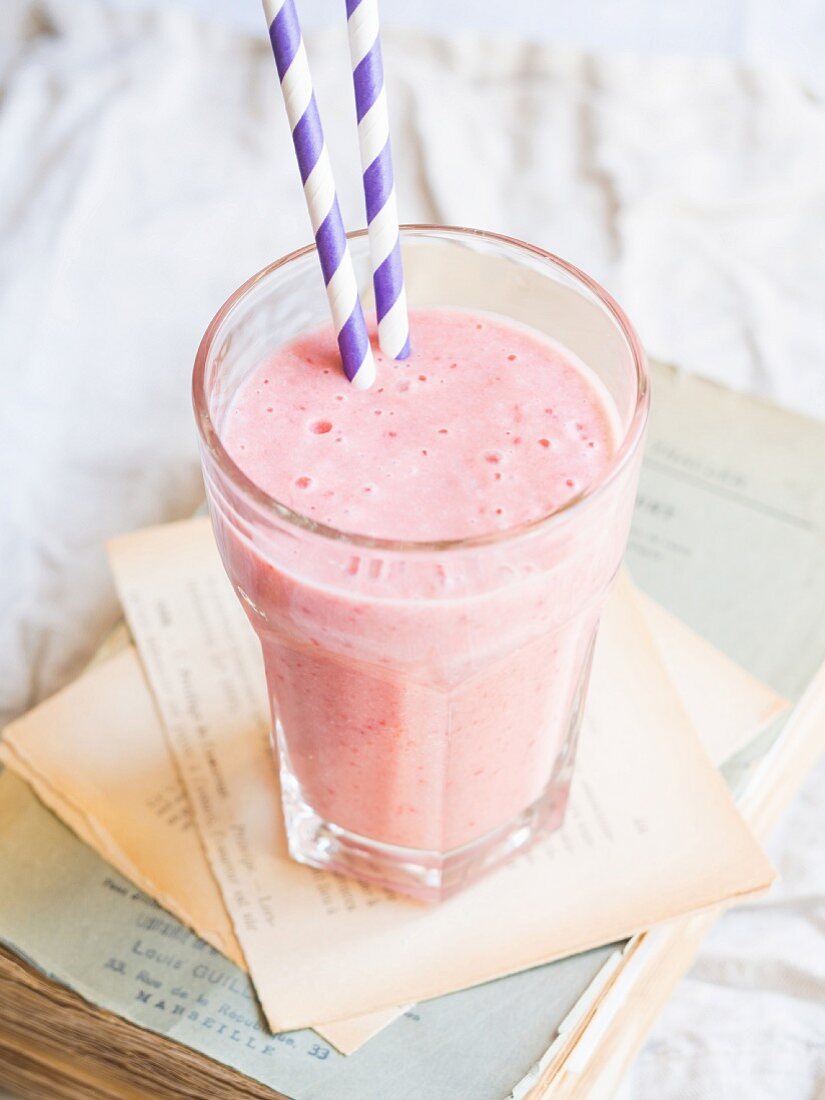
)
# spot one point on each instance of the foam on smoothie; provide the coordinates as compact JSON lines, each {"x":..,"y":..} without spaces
{"x":486,"y":426}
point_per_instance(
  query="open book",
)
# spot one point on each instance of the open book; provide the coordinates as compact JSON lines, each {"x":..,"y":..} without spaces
{"x":708,"y":501}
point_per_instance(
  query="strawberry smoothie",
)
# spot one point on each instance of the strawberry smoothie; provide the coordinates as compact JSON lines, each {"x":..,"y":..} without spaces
{"x":425,"y":695}
{"x":486,"y":426}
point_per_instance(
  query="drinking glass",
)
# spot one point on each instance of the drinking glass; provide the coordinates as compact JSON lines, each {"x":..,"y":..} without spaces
{"x":426,"y":696}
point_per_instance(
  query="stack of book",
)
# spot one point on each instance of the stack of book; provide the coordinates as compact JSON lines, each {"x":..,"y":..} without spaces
{"x":156,"y":941}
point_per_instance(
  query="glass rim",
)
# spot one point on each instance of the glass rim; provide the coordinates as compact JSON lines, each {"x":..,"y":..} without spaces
{"x":632,"y":436}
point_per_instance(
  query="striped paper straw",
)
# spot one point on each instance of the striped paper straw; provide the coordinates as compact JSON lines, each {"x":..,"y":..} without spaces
{"x":319,"y":191}
{"x":379,"y":185}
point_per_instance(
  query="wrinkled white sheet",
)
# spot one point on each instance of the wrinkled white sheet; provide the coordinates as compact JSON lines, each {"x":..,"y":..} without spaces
{"x":146,"y":170}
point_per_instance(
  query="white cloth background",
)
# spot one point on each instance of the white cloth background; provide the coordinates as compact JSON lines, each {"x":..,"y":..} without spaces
{"x":146,"y":170}
{"x":792,"y":32}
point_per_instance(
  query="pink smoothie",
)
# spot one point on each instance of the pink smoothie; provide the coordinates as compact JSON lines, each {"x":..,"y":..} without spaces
{"x":484,"y":427}
{"x":424,"y":694}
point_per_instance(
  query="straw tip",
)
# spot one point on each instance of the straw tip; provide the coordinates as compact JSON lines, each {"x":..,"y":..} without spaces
{"x":405,"y":351}
{"x":365,"y":375}
{"x":393,"y":344}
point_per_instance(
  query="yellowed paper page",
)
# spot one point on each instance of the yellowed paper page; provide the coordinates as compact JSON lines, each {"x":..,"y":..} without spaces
{"x":98,"y":748}
{"x":633,"y":852}
{"x":76,"y":820}
{"x":95,"y":753}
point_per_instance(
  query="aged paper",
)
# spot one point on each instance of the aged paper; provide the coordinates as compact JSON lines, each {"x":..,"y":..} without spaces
{"x":636,"y":793}
{"x":95,"y":753}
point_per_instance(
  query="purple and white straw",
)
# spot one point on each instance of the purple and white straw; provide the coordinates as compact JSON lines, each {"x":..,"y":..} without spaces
{"x":319,"y":191}
{"x":379,"y":185}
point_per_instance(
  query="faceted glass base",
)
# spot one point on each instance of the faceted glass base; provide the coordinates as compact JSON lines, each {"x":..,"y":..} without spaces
{"x":426,"y":875}
{"x":429,"y":876}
